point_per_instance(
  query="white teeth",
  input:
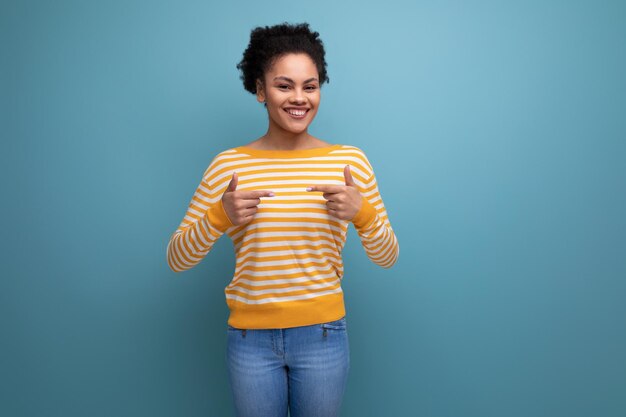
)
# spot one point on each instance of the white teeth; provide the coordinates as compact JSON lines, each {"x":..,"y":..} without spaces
{"x":296,"y":112}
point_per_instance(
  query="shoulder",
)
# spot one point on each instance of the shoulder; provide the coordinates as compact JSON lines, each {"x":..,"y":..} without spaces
{"x":352,"y":149}
{"x":358,"y":155}
{"x":219,"y":160}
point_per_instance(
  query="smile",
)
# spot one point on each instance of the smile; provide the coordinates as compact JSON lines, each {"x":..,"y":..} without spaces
{"x":296,"y":114}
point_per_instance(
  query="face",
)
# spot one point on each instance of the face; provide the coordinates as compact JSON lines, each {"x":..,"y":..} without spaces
{"x":291,"y":88}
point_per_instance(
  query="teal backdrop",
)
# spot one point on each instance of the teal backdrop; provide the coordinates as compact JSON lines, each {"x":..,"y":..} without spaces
{"x":497,"y":130}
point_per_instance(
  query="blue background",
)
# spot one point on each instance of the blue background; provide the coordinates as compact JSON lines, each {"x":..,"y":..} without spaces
{"x":497,"y":133}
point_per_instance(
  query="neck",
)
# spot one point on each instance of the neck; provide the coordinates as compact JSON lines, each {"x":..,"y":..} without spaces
{"x":280,"y":139}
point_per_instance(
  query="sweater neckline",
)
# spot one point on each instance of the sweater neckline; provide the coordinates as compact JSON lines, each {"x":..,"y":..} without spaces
{"x":287,"y":153}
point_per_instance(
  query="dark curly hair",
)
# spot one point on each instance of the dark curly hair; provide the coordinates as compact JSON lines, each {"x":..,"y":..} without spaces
{"x":270,"y":43}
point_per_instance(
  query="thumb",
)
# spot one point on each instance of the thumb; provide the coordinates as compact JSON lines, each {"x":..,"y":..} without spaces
{"x":348,"y":176}
{"x":232,"y":185}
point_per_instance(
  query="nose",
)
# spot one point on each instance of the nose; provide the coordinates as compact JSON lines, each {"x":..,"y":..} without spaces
{"x":298,"y":96}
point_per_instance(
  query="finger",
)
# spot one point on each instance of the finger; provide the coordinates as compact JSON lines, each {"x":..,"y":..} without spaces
{"x":332,"y":205}
{"x":250,"y":202}
{"x":348,"y":176}
{"x":248,"y":211}
{"x":332,"y":196}
{"x":326,"y":188}
{"x":254,"y":194}
{"x":245,"y":215}
{"x":232,"y":185}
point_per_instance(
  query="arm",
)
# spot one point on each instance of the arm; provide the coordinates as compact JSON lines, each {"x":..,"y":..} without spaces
{"x":204,"y":222}
{"x":373,"y":226}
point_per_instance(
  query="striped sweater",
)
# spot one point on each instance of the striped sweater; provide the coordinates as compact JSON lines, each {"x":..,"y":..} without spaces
{"x":288,"y":258}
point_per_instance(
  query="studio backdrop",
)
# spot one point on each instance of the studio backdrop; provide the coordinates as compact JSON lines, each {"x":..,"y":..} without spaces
{"x":497,"y":133}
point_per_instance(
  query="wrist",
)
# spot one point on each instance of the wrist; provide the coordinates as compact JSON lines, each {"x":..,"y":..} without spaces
{"x":217,"y":217}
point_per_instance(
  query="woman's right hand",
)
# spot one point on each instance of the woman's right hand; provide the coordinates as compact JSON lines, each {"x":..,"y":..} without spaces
{"x":241,"y":206}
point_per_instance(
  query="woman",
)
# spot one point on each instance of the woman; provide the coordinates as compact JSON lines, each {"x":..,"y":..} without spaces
{"x":286,"y":200}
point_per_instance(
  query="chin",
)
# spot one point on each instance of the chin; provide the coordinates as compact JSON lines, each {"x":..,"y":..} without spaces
{"x":304,"y":129}
{"x":294,"y":128}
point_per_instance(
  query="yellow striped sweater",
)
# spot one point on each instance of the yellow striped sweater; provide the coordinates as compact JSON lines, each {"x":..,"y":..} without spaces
{"x":288,"y":258}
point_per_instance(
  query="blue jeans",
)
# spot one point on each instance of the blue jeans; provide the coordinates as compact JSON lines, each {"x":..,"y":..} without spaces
{"x":302,"y":368}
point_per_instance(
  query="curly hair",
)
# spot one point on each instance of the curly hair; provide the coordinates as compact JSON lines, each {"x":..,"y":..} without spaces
{"x":270,"y":43}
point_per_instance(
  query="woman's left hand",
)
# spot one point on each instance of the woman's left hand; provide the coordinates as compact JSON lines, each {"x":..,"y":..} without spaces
{"x":343,"y":201}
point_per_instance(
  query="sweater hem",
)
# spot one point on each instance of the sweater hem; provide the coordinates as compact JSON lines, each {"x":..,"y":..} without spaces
{"x":286,"y":314}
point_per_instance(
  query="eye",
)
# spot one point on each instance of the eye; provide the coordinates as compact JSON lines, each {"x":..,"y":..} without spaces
{"x":308,"y":88}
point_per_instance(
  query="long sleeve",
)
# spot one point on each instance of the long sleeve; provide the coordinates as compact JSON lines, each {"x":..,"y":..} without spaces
{"x":204,"y":222}
{"x":373,"y":227}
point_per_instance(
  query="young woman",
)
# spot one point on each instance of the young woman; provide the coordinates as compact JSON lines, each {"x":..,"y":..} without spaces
{"x":286,"y":200}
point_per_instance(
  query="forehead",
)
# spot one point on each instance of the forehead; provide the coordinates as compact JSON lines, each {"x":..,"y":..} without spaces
{"x":294,"y":66}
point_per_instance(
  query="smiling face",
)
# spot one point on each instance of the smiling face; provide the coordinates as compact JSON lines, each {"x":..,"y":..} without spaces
{"x":292,"y":93}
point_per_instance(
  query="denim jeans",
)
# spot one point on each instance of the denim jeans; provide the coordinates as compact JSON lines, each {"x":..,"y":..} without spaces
{"x":303,"y":369}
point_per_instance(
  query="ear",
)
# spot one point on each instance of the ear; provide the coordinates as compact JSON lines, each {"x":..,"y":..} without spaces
{"x":260,"y":91}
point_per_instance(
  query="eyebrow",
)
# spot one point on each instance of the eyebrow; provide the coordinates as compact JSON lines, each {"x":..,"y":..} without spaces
{"x":291,"y":81}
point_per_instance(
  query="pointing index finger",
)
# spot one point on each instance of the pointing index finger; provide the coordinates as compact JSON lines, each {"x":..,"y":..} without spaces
{"x":253,"y":194}
{"x":326,"y":188}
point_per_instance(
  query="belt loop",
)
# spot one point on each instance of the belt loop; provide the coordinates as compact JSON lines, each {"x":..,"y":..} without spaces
{"x":325,"y":330}
{"x":243,"y":333}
